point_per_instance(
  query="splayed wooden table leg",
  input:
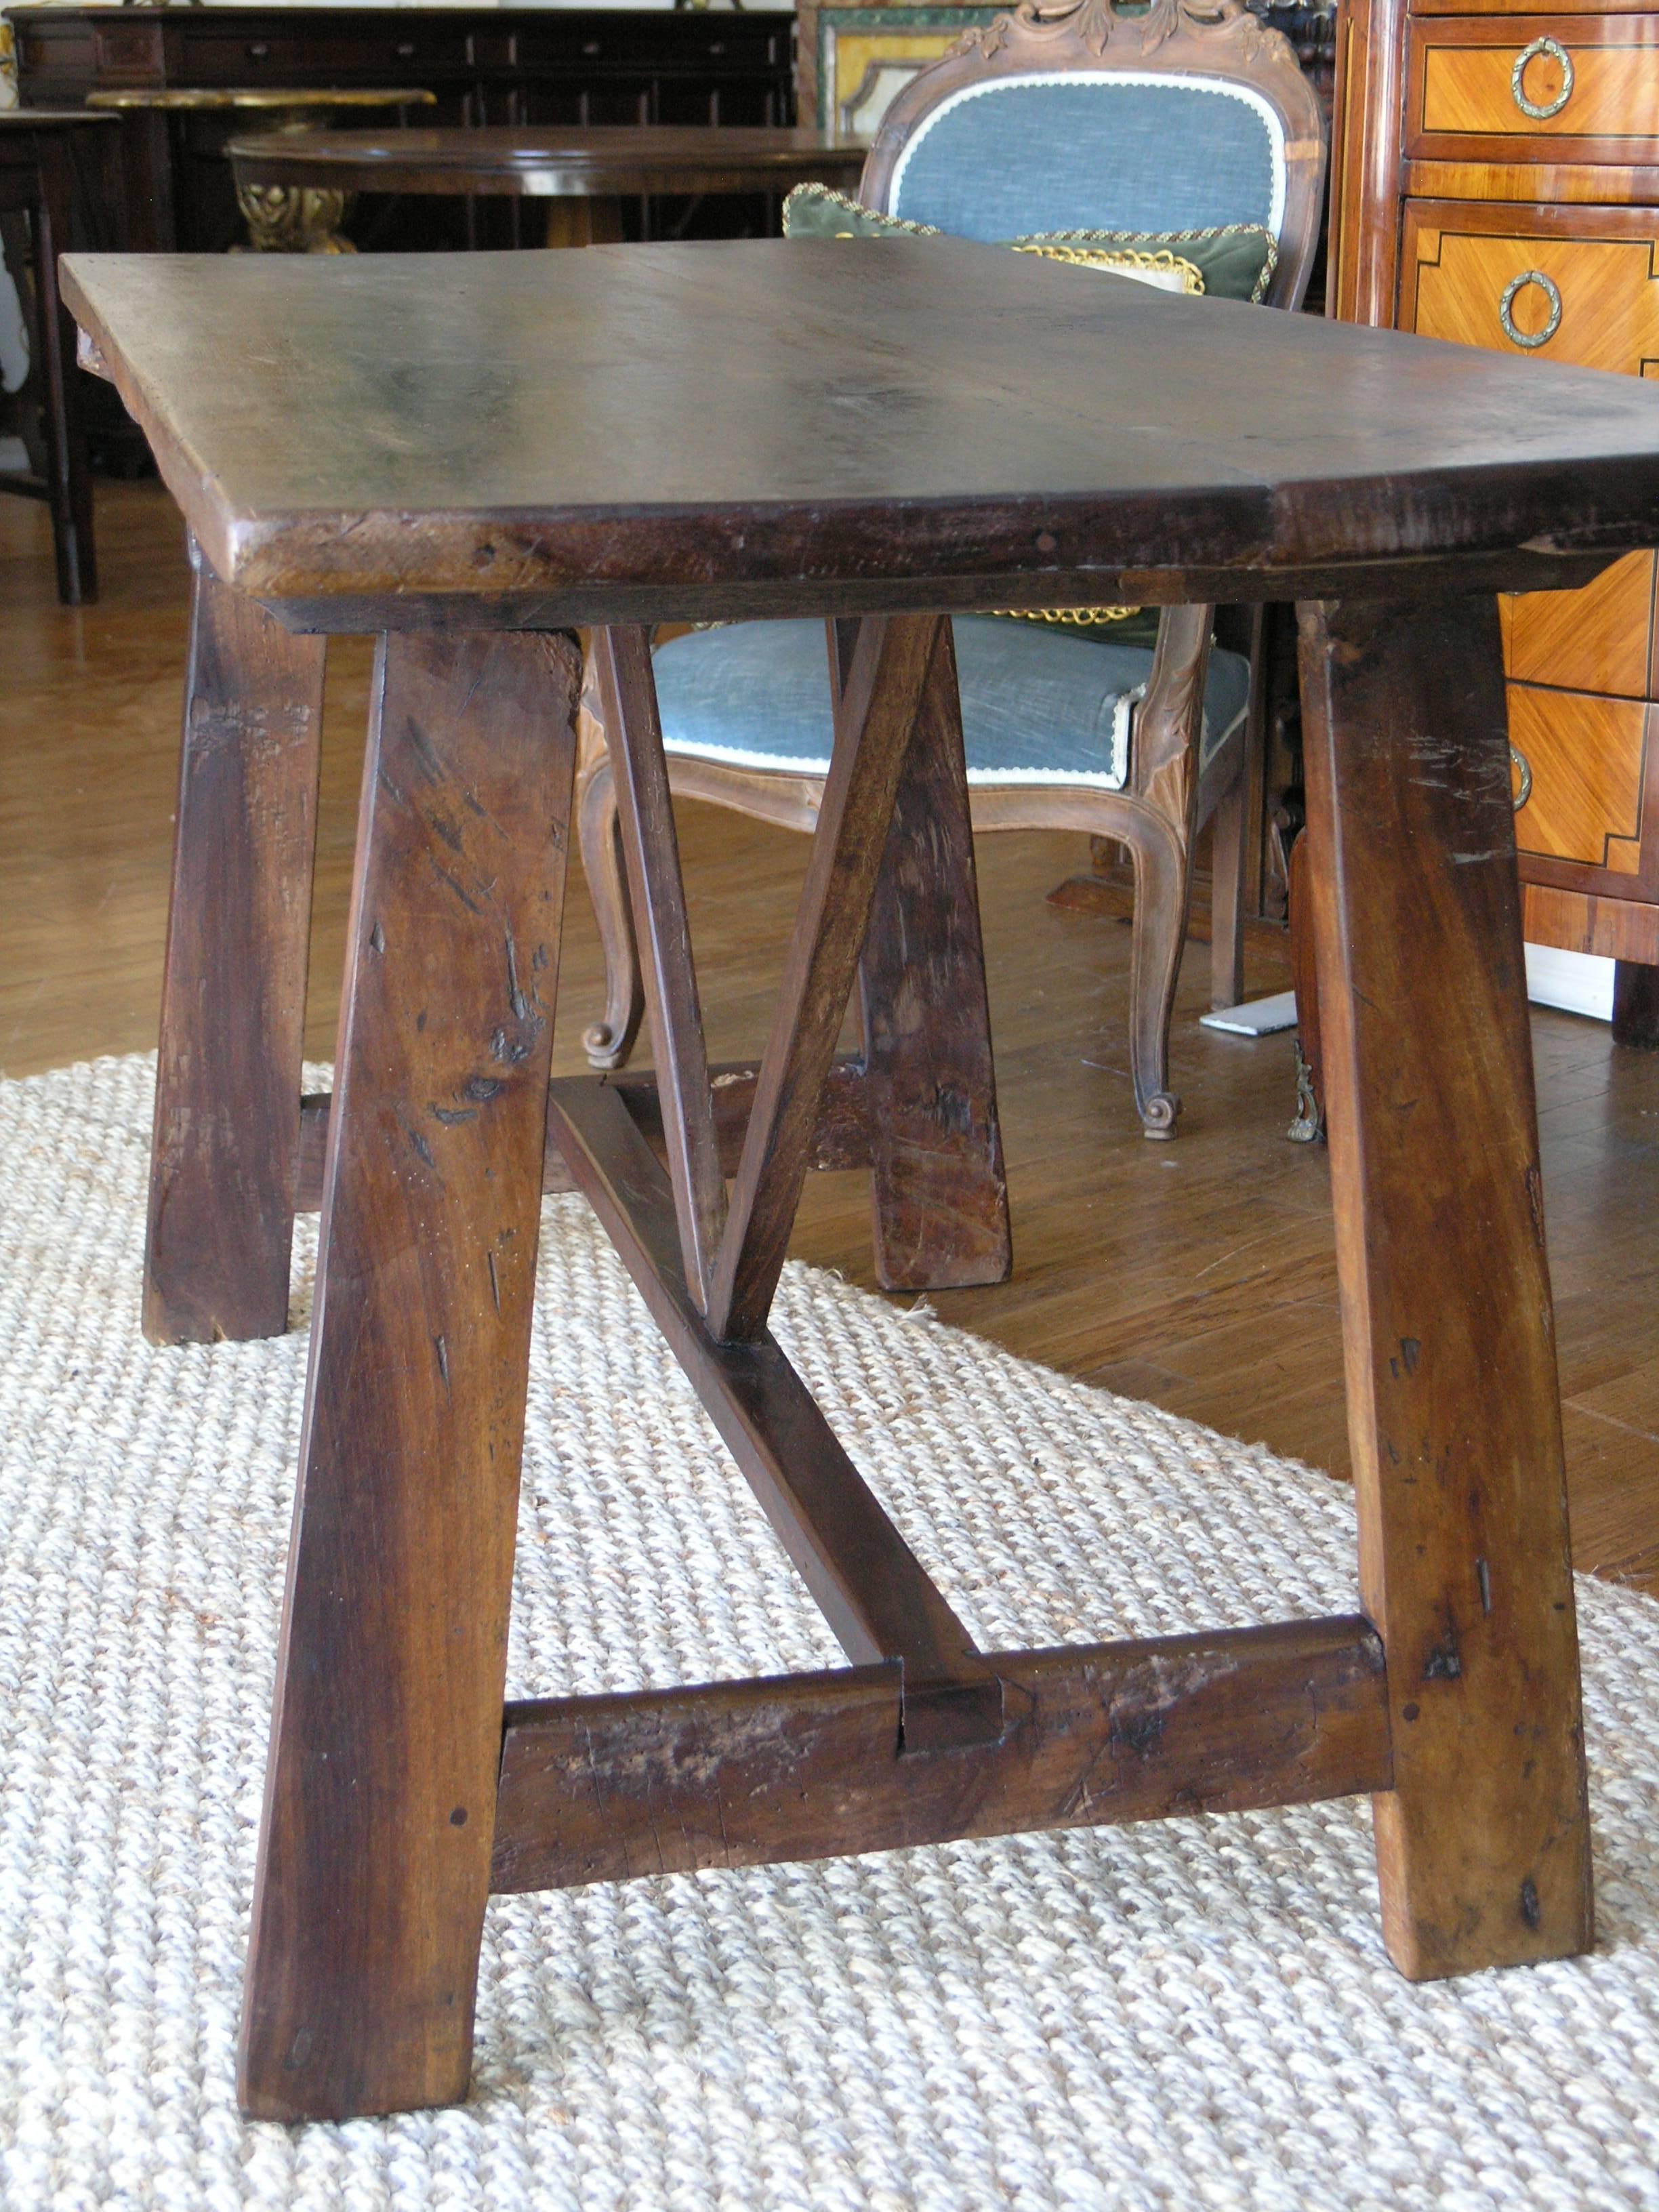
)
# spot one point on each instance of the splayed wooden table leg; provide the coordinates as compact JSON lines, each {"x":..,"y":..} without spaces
{"x":1483,"y":1843}
{"x":225,"y":1161}
{"x":380,"y":1791}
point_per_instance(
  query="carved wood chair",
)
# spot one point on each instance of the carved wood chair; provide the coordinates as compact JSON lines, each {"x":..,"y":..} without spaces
{"x":1182,"y":118}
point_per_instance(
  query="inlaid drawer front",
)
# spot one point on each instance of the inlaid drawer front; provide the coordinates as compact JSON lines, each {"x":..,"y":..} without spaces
{"x":1583,"y":754}
{"x":1511,"y":278}
{"x":1599,"y":638}
{"x":1472,"y":83}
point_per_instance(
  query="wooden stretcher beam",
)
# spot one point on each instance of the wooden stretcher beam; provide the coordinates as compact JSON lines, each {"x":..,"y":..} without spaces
{"x":806,"y":1767}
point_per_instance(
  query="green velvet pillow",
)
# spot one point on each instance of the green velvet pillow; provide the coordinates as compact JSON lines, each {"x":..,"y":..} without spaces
{"x":1237,"y":259}
{"x":1234,"y":261}
{"x":820,"y":212}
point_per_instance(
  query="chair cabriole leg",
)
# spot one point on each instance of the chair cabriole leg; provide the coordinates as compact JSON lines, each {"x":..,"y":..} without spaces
{"x":1167,"y":725}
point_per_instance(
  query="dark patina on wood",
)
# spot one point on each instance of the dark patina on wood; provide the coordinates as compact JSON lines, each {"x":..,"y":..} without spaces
{"x":868,"y":1582}
{"x":1027,"y":481}
{"x":840,"y":1140}
{"x":938,"y":1188}
{"x":608,"y":160}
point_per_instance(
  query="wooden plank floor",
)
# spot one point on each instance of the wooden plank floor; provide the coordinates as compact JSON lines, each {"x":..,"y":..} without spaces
{"x":1197,"y":1274}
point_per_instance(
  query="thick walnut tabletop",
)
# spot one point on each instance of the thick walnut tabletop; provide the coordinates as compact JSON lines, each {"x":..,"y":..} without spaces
{"x":720,"y":429}
{"x":471,"y":456}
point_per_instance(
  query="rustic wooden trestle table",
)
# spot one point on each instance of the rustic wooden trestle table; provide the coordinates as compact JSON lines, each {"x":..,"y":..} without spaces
{"x":471,"y":460}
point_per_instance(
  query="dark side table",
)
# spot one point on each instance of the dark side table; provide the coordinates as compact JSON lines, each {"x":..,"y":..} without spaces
{"x":581,"y":174}
{"x":37,"y":182}
{"x":878,"y":433}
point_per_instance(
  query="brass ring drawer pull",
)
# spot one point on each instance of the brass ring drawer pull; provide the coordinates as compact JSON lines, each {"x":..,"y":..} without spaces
{"x":1529,"y":339}
{"x":1558,"y":52}
{"x":1523,"y":769}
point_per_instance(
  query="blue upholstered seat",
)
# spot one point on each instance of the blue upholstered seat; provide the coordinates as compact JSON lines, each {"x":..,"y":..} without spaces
{"x":1038,"y":705}
{"x":1133,"y":150}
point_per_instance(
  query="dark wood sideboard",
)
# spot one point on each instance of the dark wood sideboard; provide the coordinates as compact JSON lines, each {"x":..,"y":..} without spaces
{"x":167,"y":185}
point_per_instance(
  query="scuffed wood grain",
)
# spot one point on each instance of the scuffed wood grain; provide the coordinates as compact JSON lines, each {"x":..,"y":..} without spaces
{"x":878,"y":704}
{"x":840,"y":1139}
{"x":868,"y":1582}
{"x":988,"y":431}
{"x":809,"y":1766}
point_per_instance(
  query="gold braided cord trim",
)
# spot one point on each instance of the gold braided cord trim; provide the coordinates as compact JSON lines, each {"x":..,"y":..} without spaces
{"x":1192,"y":277}
{"x":827,"y":193}
{"x":1270,"y":264}
{"x":1072,"y":617}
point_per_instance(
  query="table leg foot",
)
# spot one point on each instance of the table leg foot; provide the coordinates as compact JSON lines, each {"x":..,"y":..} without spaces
{"x":1483,"y":1845}
{"x":386,"y":1736}
{"x":226,"y":1148}
{"x":940,"y":1191}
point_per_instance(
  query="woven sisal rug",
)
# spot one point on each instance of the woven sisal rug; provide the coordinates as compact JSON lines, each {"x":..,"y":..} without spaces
{"x":1194,"y":2013}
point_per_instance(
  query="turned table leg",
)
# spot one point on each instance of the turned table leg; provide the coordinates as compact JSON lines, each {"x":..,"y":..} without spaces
{"x":1483,"y":1843}
{"x":225,"y":1147}
{"x":380,"y":1791}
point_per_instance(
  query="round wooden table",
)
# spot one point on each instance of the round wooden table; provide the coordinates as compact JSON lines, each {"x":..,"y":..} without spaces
{"x":585,"y":173}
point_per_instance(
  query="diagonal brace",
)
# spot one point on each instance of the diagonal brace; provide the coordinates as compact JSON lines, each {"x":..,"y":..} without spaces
{"x":871,"y":1587}
{"x":633,"y":728}
{"x":877,"y":711}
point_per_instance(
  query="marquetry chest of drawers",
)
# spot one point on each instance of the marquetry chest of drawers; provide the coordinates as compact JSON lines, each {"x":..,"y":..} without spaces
{"x":1496,"y":181}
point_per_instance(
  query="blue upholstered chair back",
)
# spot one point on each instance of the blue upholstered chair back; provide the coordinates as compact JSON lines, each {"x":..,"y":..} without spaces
{"x":1131,"y":150}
